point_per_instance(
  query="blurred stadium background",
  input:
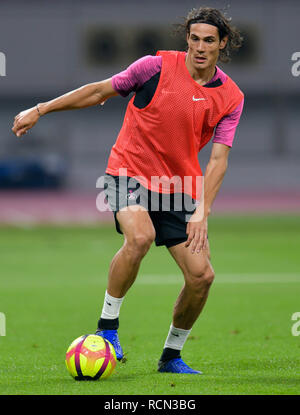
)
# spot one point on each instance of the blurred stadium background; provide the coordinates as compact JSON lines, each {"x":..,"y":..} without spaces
{"x":53,"y":47}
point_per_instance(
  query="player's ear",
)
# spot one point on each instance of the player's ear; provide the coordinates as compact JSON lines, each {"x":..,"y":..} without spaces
{"x":223,"y":42}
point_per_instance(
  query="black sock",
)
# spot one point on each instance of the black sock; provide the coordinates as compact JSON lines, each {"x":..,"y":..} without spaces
{"x":169,"y":354}
{"x":106,"y":324}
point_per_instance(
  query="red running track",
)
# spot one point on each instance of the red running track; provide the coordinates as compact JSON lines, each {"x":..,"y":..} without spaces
{"x":80,"y":208}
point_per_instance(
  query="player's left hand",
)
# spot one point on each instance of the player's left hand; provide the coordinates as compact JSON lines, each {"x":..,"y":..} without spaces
{"x":197,"y":233}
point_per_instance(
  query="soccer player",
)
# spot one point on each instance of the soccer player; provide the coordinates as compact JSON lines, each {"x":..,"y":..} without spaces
{"x":181,"y":101}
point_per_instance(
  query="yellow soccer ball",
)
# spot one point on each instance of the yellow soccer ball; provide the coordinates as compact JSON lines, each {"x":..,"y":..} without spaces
{"x":90,"y":357}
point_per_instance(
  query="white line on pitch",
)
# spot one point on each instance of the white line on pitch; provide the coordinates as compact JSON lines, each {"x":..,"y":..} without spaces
{"x":222,"y":278}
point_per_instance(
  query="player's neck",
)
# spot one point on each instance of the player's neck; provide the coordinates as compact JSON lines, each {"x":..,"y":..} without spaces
{"x":201,"y":76}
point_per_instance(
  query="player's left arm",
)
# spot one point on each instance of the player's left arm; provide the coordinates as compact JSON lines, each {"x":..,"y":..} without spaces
{"x":213,"y":178}
{"x":214,"y":174}
{"x":215,"y":171}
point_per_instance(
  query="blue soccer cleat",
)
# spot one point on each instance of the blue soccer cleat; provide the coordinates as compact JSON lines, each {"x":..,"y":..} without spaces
{"x":112,"y":337}
{"x":176,"y":365}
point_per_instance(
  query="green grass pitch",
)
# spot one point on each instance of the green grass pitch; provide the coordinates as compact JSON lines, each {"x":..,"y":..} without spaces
{"x":52,"y":288}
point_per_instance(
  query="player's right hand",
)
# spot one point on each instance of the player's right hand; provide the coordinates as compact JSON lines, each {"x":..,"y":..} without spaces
{"x":25,"y":120}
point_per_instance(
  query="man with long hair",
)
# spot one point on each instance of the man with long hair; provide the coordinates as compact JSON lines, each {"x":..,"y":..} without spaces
{"x":181,"y":101}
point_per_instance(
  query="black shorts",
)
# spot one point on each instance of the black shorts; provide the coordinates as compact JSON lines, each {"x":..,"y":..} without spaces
{"x":169,"y":212}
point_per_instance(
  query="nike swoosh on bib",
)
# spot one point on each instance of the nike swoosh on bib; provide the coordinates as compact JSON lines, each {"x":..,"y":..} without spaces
{"x":198,"y":99}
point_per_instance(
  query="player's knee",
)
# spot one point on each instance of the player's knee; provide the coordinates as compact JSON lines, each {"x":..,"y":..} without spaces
{"x":202,"y":279}
{"x":209,"y":277}
{"x":143,"y":241}
{"x":139,"y":243}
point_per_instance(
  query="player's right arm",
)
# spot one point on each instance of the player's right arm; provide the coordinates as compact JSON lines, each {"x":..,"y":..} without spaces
{"x":85,"y":96}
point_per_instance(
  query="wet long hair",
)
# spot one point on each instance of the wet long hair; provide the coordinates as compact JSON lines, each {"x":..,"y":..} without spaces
{"x":216,"y":18}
